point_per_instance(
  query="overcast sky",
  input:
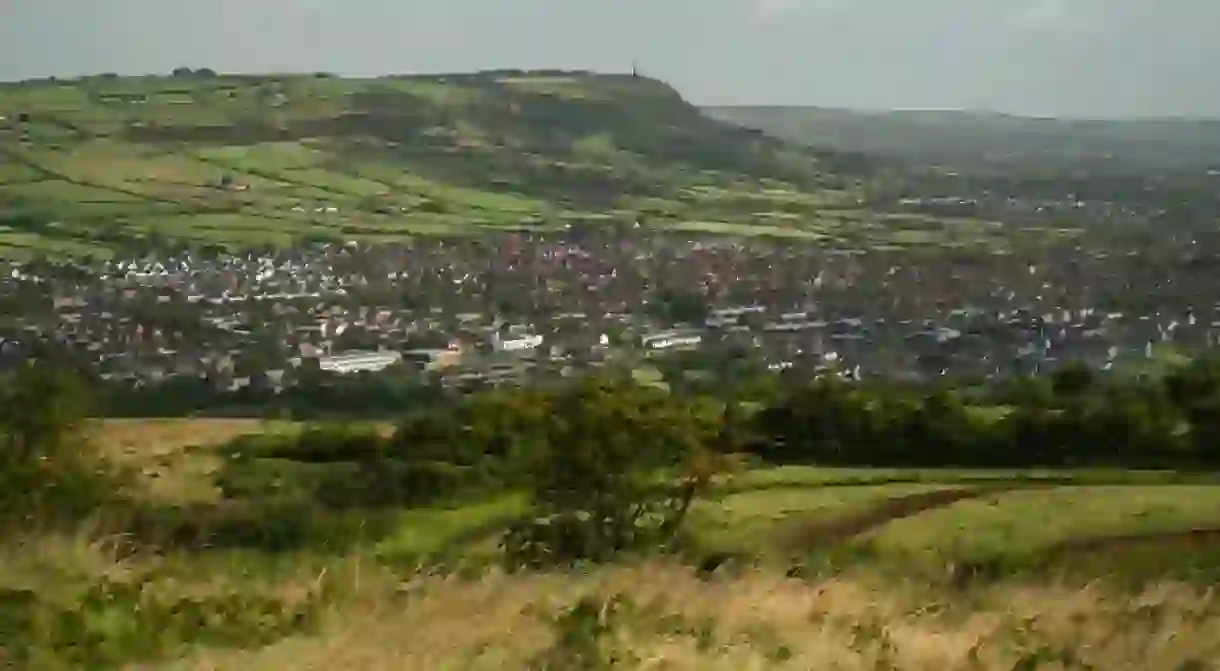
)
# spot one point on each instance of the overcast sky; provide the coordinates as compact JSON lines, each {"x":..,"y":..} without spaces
{"x":1047,"y":57}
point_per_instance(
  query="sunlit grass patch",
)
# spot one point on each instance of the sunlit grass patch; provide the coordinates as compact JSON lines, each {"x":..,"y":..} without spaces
{"x":1022,"y":525}
{"x":425,"y":532}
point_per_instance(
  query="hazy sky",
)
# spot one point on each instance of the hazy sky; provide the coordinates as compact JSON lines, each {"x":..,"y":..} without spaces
{"x":1064,"y":57}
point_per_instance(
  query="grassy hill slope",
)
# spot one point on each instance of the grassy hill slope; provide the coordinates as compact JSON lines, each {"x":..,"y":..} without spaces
{"x":90,"y":164}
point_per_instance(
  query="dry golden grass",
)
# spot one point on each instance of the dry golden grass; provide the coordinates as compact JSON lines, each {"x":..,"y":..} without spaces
{"x":142,"y":437}
{"x":160,"y":452}
{"x":755,"y":621}
{"x":59,"y":565}
{"x":53,"y":561}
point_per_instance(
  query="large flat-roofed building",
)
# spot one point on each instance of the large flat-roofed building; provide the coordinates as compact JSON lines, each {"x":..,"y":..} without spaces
{"x":358,"y":362}
{"x":670,"y":340}
{"x":520,"y":343}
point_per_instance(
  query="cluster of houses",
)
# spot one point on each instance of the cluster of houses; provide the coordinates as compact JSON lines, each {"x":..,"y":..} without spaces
{"x":507,"y":307}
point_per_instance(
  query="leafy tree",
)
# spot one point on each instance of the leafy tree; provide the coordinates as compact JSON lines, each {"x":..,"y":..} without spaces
{"x":1203,"y":415}
{"x":1072,"y":380}
{"x":45,"y":467}
{"x":1130,"y":427}
{"x":942,"y":431}
{"x":620,"y":469}
{"x":1200,"y":379}
{"x":1025,"y":391}
{"x":42,"y":409}
{"x":679,"y":307}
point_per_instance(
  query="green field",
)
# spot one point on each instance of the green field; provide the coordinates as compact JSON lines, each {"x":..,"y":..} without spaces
{"x":746,"y":230}
{"x":1025,"y":516}
{"x":1023,"y":526}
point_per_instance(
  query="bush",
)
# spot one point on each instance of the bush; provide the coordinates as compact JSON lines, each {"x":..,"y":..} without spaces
{"x":585,"y":637}
{"x":328,"y":444}
{"x":620,"y":468}
{"x":112,"y":623}
{"x":270,"y":526}
{"x":48,"y":470}
{"x":341,"y":467}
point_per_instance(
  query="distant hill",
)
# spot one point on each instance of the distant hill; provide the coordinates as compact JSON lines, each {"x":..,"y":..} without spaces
{"x":95,"y":163}
{"x":976,"y":137}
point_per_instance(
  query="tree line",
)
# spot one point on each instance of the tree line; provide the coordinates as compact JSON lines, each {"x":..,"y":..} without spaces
{"x":610,"y":464}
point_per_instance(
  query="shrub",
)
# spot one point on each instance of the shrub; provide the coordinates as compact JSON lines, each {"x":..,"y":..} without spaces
{"x":585,"y":637}
{"x":270,"y":526}
{"x":48,"y":470}
{"x":350,"y":467}
{"x":621,"y":465}
{"x":112,"y":623}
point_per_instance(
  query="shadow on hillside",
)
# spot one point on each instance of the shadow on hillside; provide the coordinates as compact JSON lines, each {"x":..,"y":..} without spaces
{"x":512,"y":140}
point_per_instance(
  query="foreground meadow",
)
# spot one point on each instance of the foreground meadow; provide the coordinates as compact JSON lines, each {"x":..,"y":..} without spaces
{"x":661,"y":615}
{"x":793,"y":567}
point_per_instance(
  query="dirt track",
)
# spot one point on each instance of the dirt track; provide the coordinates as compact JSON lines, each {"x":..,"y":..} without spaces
{"x":839,"y":530}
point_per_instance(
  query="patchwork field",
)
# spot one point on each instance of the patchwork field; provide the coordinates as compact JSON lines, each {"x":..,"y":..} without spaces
{"x":254,"y":161}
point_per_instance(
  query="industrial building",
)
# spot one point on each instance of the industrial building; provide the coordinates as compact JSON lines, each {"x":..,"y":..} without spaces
{"x":358,"y":362}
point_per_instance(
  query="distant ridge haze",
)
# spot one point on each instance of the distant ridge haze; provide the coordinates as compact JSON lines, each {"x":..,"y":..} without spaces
{"x":1063,"y":58}
{"x":964,"y":113}
{"x":966,"y":136}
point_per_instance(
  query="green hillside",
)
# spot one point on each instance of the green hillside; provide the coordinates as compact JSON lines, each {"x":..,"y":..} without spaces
{"x":92,"y":164}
